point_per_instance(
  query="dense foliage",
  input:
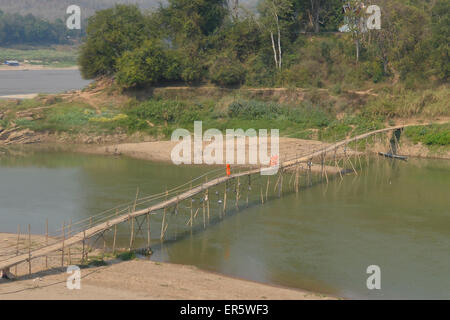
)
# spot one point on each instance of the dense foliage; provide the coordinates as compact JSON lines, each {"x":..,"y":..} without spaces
{"x":288,"y":43}
{"x":18,"y":29}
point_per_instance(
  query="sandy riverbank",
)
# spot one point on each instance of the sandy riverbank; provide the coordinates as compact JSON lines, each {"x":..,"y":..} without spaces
{"x":26,"y":67}
{"x":136,"y":279}
{"x":289,"y":148}
{"x":20,"y":96}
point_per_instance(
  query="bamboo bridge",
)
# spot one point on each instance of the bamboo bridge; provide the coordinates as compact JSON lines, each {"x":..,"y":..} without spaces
{"x":337,"y":155}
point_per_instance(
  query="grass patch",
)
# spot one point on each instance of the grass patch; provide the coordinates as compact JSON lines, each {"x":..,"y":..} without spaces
{"x":126,"y":256}
{"x":55,"y":56}
{"x":432,"y":135}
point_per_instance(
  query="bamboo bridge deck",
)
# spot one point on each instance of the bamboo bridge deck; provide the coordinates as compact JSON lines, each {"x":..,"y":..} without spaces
{"x":94,"y":230}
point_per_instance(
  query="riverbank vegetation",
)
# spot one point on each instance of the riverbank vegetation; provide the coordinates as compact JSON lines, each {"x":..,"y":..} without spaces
{"x":287,"y":43}
{"x":51,"y":56}
{"x":18,"y":29}
{"x":319,"y":114}
{"x":202,"y":60}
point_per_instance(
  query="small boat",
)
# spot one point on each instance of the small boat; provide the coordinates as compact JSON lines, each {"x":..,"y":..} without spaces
{"x":393,"y":156}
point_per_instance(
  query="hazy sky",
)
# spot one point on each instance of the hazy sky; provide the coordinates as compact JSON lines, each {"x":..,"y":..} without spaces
{"x":53,"y":9}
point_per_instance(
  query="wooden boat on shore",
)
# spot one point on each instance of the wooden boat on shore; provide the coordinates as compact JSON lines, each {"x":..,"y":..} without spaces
{"x":393,"y":156}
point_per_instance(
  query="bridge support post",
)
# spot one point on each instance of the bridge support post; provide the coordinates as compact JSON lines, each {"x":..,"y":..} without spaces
{"x":237,"y":193}
{"x":225,"y":199}
{"x":115,"y":235}
{"x":29,"y":249}
{"x":46,"y":242}
{"x":249,"y":186}
{"x":83,"y":250}
{"x":68,"y":248}
{"x":63,"y":239}
{"x":203,"y":211}
{"x":17,"y":247}
{"x":280,"y":187}
{"x":148,"y":231}
{"x":163,"y":226}
{"x":132,"y":234}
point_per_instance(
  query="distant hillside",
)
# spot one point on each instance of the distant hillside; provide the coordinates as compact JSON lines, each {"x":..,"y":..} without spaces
{"x":56,"y":9}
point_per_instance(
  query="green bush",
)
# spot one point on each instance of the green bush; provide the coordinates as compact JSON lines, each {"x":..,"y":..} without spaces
{"x":430,"y":135}
{"x":304,"y":115}
{"x":143,"y":66}
{"x":227,"y":72}
{"x":110,"y":33}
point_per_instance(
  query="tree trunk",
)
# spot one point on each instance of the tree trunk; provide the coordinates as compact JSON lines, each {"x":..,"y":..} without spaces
{"x":279,"y":44}
{"x":274,"y":49}
{"x":315,"y":9}
{"x":357,"y":49}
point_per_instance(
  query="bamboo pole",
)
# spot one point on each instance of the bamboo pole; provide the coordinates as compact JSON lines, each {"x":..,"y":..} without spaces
{"x":351,"y":163}
{"x":104,"y":245}
{"x":367,"y":152}
{"x":46,"y":242}
{"x":17,"y":245}
{"x":190,"y":200}
{"x":262,"y":197}
{"x":29,"y":249}
{"x":136,"y":199}
{"x":191,"y":220}
{"x":280,"y":187}
{"x":225,"y":199}
{"x":322,"y":160}
{"x":132,"y":234}
{"x":83,"y":252}
{"x":237,"y":194}
{"x":207,"y":204}
{"x":207,"y":200}
{"x":357,"y":155}
{"x":277,"y":182}
{"x":63,"y":238}
{"x":148,"y":232}
{"x":115,"y":234}
{"x":248,"y":188}
{"x":336,"y":164}
{"x":163,"y":223}
{"x":203,"y":210}
{"x":69,"y":235}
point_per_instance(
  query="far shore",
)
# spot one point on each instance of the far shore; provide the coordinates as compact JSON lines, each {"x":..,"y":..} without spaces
{"x":26,"y":67}
{"x":20,"y":96}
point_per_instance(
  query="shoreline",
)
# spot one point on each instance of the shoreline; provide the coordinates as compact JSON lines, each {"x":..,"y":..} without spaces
{"x":118,"y":280}
{"x":34,"y":67}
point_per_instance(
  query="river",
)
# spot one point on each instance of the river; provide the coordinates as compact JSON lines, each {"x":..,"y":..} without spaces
{"x":17,"y":82}
{"x":395,"y":215}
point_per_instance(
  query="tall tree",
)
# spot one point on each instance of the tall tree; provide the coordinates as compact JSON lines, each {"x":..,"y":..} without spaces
{"x":318,"y":14}
{"x":110,"y":33}
{"x":274,"y":14}
{"x":440,"y":39}
{"x":354,"y":16}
